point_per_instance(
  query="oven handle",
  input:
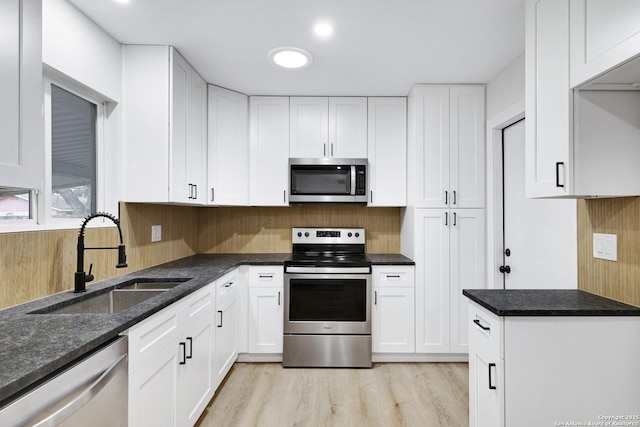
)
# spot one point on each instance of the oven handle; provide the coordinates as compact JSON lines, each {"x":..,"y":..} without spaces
{"x":329,"y":270}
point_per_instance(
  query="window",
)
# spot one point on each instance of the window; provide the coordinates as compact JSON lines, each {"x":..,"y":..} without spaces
{"x":73,"y":155}
{"x":15,"y":204}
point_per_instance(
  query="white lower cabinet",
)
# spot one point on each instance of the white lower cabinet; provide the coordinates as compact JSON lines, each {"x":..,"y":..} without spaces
{"x":393,"y":320}
{"x":531,"y":371}
{"x":226,"y":327}
{"x":170,"y":369}
{"x":266,"y":309}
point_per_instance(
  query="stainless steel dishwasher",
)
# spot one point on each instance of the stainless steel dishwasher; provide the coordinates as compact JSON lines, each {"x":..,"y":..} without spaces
{"x":90,"y":392}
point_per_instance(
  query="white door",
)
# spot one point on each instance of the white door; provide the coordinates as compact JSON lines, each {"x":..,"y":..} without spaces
{"x":266,"y":320}
{"x":539,"y":234}
{"x":309,"y":127}
{"x":393,"y":320}
{"x":347,"y":127}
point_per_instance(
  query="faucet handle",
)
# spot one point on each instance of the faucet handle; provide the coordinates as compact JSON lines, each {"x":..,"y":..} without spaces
{"x":89,"y":277}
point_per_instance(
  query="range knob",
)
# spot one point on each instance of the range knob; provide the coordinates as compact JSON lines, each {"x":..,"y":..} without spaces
{"x":299,"y":234}
{"x":349,"y":235}
{"x":357,"y":234}
{"x":306,"y":234}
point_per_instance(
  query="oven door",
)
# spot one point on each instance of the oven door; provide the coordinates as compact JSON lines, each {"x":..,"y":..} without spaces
{"x":327,"y":304}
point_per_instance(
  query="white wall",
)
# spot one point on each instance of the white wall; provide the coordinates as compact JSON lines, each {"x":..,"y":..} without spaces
{"x":506,"y":89}
{"x":79,"y":52}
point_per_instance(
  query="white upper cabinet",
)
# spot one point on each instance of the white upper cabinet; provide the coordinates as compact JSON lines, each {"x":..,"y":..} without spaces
{"x":604,"y":33}
{"x":387,"y":151}
{"x":580,"y":142}
{"x":548,"y":99}
{"x":165,"y":127}
{"x":328,"y":127}
{"x":446,"y":137}
{"x":269,"y":150}
{"x":228,"y":149}
{"x":21,"y":117}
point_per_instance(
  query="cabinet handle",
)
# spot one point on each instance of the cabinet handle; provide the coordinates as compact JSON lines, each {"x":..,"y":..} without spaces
{"x":184,"y":353}
{"x":446,"y":197}
{"x":189,"y":196}
{"x":332,"y":149}
{"x":491,"y":386}
{"x":324,"y":150}
{"x":558,"y":174}
{"x":220,"y":325}
{"x":284,"y":197}
{"x":375,"y":297}
{"x":213,"y":193}
{"x":278,"y":297}
{"x":455,"y":219}
{"x":190,"y":340}
{"x":393,"y":276}
{"x":446,"y":218}
{"x":196,"y":191}
{"x":266,"y":276}
{"x":455,"y":199}
{"x":371,"y":196}
{"x":484,"y":328}
{"x":228,"y":285}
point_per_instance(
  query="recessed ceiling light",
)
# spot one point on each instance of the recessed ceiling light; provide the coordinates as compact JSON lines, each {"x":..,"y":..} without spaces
{"x":323,"y":29}
{"x":290,"y":57}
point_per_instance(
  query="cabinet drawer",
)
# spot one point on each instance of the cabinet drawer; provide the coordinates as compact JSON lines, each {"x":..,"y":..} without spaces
{"x":266,"y":276}
{"x":226,"y":286}
{"x":197,"y":305}
{"x":150,"y":336}
{"x":486,"y":328}
{"x":393,"y":275}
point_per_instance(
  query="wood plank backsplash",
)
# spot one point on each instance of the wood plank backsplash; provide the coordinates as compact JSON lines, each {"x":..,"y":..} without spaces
{"x":265,"y":229}
{"x":617,"y":280}
{"x":40,"y":263}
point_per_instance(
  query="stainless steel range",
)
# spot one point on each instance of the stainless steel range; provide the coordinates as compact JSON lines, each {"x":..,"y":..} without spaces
{"x":327,"y":316}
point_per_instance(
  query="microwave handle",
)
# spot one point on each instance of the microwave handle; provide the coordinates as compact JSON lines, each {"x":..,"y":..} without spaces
{"x":353,"y":180}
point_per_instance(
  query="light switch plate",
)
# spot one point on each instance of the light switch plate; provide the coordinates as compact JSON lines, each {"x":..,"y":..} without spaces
{"x":156,"y":233}
{"x":605,"y":246}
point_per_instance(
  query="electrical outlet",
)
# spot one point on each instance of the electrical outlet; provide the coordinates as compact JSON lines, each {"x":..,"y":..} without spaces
{"x":605,"y":246}
{"x":156,"y":233}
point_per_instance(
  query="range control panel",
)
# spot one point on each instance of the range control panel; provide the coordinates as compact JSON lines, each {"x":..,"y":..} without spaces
{"x":309,"y":235}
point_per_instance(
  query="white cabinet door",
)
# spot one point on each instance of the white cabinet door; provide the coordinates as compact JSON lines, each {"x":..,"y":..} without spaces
{"x":180,"y":189}
{"x":432,"y":280}
{"x":467,"y":147}
{"x":486,"y":387}
{"x":447,"y":151}
{"x":269,"y":150}
{"x":195,"y":377}
{"x":467,"y":270}
{"x":549,"y":139}
{"x":328,"y":127}
{"x":387,"y":151}
{"x":153,"y":390}
{"x":197,"y":138}
{"x":266,"y":320}
{"x":604,"y":33}
{"x":21,"y":117}
{"x":393,"y":320}
{"x":309,"y":124}
{"x":226,"y":348}
{"x":348,"y":127}
{"x":228,"y":149}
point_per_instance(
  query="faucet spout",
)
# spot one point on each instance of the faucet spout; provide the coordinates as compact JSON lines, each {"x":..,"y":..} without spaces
{"x":82,"y":278}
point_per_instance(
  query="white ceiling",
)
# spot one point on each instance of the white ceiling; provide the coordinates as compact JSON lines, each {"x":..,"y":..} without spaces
{"x":379,"y":47}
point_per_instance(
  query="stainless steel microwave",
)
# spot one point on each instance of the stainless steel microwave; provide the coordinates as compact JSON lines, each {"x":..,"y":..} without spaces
{"x":327,"y":180}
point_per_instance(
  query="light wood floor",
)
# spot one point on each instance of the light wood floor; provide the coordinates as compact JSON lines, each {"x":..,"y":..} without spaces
{"x":389,"y":394}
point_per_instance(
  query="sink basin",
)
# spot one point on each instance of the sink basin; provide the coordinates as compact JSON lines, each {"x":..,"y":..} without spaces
{"x":124,"y":296}
{"x":108,"y":303}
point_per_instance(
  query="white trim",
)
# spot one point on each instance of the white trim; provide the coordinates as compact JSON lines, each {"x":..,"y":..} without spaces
{"x":495,"y":125}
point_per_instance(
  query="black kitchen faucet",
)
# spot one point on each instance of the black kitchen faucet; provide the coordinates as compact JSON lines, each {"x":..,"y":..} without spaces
{"x":81,"y":278}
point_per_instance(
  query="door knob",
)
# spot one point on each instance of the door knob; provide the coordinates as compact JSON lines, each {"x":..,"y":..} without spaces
{"x":505,"y":269}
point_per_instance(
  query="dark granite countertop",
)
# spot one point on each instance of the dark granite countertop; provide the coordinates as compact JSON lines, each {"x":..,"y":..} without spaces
{"x":390,"y":259}
{"x":548,"y":302}
{"x":32,"y":346}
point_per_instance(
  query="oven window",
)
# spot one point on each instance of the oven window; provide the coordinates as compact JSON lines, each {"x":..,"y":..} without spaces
{"x":319,"y":180}
{"x":339,"y":300}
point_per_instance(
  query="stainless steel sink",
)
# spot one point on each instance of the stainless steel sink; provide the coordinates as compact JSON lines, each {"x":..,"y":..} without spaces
{"x":124,"y":296}
{"x":111,"y":302}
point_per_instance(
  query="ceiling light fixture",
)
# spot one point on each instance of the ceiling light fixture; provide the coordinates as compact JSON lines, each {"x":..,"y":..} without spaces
{"x":122,"y":1}
{"x":323,"y":29}
{"x":290,"y":57}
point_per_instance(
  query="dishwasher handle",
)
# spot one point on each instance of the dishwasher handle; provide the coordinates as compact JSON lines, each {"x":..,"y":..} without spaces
{"x":85,"y":396}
